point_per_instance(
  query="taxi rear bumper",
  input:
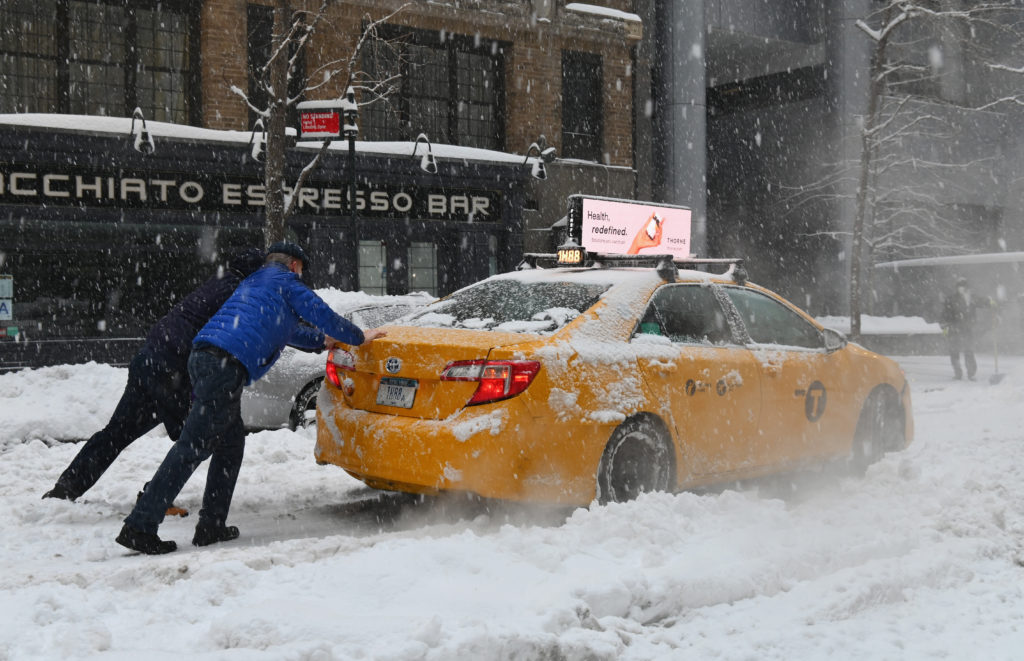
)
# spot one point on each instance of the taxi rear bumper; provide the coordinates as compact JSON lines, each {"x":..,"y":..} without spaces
{"x":495,"y":451}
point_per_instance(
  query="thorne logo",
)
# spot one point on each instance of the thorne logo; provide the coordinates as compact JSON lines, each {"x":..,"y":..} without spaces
{"x":22,"y":185}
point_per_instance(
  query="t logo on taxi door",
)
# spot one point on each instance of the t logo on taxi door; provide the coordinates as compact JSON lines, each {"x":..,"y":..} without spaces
{"x":815,"y":398}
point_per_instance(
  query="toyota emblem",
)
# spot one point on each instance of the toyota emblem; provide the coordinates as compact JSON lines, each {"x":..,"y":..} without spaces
{"x":392,"y":365}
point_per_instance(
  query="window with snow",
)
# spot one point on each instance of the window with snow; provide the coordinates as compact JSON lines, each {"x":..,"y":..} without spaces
{"x":372,"y":257}
{"x":511,"y":306}
{"x":450,"y":87}
{"x":582,"y":106}
{"x":100,"y":57}
{"x":423,"y":267}
{"x":687,"y":314}
{"x":770,"y":322}
{"x":259,"y":38}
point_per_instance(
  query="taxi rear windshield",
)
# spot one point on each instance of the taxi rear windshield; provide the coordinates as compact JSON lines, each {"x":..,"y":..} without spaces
{"x":511,"y":306}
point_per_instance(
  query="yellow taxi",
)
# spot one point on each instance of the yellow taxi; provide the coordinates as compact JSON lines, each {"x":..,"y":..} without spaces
{"x":566,"y":385}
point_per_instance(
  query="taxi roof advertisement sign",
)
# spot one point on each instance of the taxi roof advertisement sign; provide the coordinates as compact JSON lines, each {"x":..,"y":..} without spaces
{"x":625,"y":227}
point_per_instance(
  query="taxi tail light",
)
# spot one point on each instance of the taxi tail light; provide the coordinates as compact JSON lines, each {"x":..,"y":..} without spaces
{"x":338,"y":359}
{"x":498,"y":379}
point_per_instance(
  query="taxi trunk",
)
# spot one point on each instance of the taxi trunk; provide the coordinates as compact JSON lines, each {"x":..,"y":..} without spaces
{"x":429,"y":373}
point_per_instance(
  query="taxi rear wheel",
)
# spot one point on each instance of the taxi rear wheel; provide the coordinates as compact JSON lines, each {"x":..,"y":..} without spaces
{"x":303,"y":414}
{"x":879,"y":429}
{"x":638,"y":459}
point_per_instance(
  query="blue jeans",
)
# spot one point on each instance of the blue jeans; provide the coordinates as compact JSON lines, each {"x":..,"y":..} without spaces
{"x":212,"y":429}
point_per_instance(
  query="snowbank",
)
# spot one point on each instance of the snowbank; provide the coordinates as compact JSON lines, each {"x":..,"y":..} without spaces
{"x":920,"y":559}
{"x":870,"y":325}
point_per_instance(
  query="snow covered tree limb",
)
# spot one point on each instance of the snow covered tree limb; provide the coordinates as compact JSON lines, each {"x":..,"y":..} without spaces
{"x":304,"y":175}
{"x":283,"y":83}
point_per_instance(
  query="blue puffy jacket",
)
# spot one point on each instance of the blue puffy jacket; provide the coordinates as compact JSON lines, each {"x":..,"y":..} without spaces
{"x":265,"y":313}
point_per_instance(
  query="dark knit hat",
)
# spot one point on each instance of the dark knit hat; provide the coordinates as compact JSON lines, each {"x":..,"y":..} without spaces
{"x":246,"y":261}
{"x":292,"y":250}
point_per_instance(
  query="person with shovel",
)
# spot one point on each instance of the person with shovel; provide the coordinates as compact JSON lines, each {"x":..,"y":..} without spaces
{"x":958,"y":321}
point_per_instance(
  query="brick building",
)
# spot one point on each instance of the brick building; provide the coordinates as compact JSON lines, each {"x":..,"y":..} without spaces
{"x":482,"y":81}
{"x":723,"y":106}
{"x":531,"y":39}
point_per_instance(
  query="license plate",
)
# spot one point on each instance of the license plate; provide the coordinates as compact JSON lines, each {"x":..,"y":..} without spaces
{"x":396,"y":392}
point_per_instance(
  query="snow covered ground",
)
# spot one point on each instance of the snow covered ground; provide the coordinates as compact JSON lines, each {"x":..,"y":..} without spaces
{"x":921,"y":559}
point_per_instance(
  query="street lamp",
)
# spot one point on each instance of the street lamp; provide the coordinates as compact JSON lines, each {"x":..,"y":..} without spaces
{"x":143,"y":140}
{"x":427,"y":163}
{"x":350,"y":114}
{"x":330,"y":119}
{"x":546,"y":154}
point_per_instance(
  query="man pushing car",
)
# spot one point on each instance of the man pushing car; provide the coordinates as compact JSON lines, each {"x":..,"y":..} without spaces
{"x":237,"y":346}
{"x":158,"y":388}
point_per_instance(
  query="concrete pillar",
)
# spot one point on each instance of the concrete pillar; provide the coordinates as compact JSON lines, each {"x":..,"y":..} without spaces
{"x":680,"y":136}
{"x":644,"y":55}
{"x":848,"y":59}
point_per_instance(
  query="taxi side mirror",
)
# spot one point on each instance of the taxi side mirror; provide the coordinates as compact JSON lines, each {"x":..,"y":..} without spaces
{"x":834,"y":340}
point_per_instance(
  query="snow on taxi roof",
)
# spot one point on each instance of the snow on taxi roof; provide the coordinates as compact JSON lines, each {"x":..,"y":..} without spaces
{"x":664,"y":266}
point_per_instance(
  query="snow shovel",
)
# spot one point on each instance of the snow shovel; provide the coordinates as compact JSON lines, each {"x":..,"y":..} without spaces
{"x":997,"y":377}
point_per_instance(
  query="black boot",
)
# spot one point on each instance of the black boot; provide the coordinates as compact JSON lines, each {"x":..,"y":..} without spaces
{"x":144,"y":542}
{"x":211,"y":534}
{"x":61,"y":492}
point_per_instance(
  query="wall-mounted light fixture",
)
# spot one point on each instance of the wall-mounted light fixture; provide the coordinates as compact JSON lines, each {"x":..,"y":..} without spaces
{"x":546,"y":155}
{"x":142,"y":140}
{"x":259,"y":145}
{"x":427,"y":163}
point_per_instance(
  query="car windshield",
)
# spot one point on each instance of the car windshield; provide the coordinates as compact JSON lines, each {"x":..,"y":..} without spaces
{"x":512,"y":306}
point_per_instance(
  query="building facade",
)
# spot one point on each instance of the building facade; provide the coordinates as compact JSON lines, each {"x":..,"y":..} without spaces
{"x":777,"y":93}
{"x":750,"y":114}
{"x":100,"y":238}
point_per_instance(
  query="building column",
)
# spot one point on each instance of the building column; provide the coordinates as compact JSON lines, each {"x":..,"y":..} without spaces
{"x":644,"y":55}
{"x":680,"y":120}
{"x":848,"y":58}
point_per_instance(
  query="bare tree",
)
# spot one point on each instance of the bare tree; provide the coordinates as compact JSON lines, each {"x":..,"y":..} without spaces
{"x":910,"y":164}
{"x":278,"y":79}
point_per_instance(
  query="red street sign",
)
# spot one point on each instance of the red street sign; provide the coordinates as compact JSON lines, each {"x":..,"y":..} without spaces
{"x":321,"y":124}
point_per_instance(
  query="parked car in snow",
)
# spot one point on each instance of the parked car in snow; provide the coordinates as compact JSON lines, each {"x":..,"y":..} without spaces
{"x":568,"y":384}
{"x":286,"y":395}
